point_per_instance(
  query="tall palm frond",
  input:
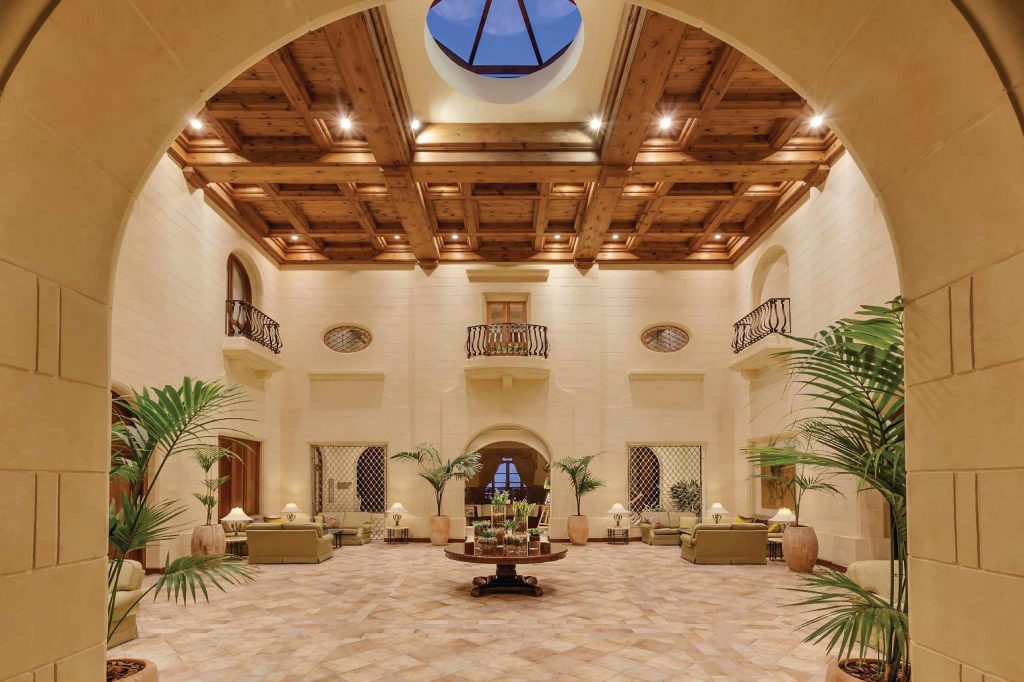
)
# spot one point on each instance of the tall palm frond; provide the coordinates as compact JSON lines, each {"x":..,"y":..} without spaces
{"x":582,"y":480}
{"x":439,"y":473}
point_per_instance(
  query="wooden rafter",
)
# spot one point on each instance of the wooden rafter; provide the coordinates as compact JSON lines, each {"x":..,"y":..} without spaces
{"x":363,"y":216}
{"x":712,"y":93}
{"x":540,"y":215}
{"x":718,"y":215}
{"x":290,"y":78}
{"x":293,"y":214}
{"x":470,"y":215}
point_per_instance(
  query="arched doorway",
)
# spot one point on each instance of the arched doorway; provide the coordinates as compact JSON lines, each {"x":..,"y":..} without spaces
{"x":509,"y":467}
{"x":931,"y":122}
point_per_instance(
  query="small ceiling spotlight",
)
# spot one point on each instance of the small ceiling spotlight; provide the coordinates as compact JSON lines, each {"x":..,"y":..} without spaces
{"x":595,"y":123}
{"x":295,"y":237}
{"x":345,"y":122}
{"x":415,"y":124}
{"x":558,"y":237}
{"x":398,"y":237}
{"x":817,"y":120}
{"x":718,"y":237}
{"x":615,"y":237}
{"x":455,"y":237}
{"x":665,"y":123}
{"x":196,"y":124}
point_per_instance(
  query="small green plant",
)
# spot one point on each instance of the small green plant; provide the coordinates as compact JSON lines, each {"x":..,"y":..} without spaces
{"x":510,"y":525}
{"x":500,"y":497}
{"x":488,"y":534}
{"x":522,"y":509}
{"x":439,"y":473}
{"x":480,"y":525}
{"x":685,"y":496}
{"x":578,"y":471}
{"x":207,"y":457}
{"x":535,"y":532}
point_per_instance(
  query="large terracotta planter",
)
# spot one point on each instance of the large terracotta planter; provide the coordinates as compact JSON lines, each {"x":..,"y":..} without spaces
{"x":837,"y":674}
{"x":579,"y":529}
{"x":209,"y":540}
{"x":800,"y":548}
{"x":149,"y":672}
{"x":440,"y":529}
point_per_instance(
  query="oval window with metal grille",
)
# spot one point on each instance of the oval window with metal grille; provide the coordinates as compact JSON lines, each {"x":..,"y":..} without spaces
{"x":347,"y":339}
{"x":665,"y":338}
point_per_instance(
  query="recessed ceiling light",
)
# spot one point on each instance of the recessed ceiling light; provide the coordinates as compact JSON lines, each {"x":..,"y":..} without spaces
{"x":415,"y":124}
{"x":817,"y":120}
{"x":455,"y":237}
{"x":595,"y":123}
{"x":718,"y":236}
{"x":557,"y":237}
{"x":295,"y":237}
{"x":398,"y":237}
{"x":196,"y":124}
{"x":665,"y":123}
{"x":615,"y":237}
{"x":345,"y":122}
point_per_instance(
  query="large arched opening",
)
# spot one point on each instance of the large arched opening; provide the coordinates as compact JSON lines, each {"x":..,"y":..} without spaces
{"x":934,"y":127}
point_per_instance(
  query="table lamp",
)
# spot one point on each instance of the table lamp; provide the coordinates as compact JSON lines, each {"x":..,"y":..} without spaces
{"x":396,"y":510}
{"x":617,"y":511}
{"x":236,"y":517}
{"x":785,"y":515}
{"x":291,"y":509}
{"x":717,"y":511}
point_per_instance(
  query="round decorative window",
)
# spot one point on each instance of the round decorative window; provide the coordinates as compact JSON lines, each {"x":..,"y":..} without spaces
{"x":503,"y":38}
{"x":347,"y":339}
{"x":665,"y":338}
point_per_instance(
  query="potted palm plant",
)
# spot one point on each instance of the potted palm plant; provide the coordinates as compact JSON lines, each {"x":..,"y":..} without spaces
{"x":209,"y":538}
{"x":799,"y":542}
{"x":438,"y":473}
{"x":854,"y":372}
{"x":583,"y":482}
{"x":159,"y":425}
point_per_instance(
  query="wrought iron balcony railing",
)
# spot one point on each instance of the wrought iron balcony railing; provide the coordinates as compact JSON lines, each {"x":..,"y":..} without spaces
{"x":771,"y":317}
{"x":245,"y":319}
{"x":507,"y":338}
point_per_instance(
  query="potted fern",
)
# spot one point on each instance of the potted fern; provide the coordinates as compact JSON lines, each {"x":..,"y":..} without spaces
{"x":160,"y":425}
{"x":853,"y":371}
{"x":209,"y":538}
{"x":799,"y":542}
{"x":439,"y":473}
{"x":583,"y":482}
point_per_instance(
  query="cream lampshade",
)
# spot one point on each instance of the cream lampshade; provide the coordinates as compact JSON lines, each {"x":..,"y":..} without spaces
{"x":617,"y":511}
{"x":236,"y":517}
{"x":291,"y":509}
{"x":784,"y":515}
{"x":396,"y":510}
{"x":717,"y":511}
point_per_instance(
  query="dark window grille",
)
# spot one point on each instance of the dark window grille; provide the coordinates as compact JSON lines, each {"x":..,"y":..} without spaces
{"x":507,"y":338}
{"x":347,"y":339}
{"x":771,"y":317}
{"x":351,"y":478}
{"x":665,"y":339}
{"x":245,"y":319}
{"x":665,"y":478}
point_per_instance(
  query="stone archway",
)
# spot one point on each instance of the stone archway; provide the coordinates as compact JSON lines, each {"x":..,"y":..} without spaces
{"x":908,"y":86}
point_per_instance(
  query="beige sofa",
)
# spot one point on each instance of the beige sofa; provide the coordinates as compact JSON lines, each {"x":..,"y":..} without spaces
{"x":672,"y":523}
{"x":735,"y":543}
{"x":356,"y":527}
{"x":127,"y":593}
{"x":288,"y":543}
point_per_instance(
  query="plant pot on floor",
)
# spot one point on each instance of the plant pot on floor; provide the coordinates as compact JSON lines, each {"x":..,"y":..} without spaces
{"x":209,"y":540}
{"x":835,"y":673}
{"x":579,"y":529}
{"x":800,"y":548}
{"x":440,"y":530}
{"x":133,"y":669}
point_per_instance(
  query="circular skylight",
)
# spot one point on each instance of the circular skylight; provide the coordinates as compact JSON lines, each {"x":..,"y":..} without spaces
{"x":504,"y":38}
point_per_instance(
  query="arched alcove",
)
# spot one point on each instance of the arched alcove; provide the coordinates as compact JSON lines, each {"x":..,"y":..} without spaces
{"x":771,"y":276}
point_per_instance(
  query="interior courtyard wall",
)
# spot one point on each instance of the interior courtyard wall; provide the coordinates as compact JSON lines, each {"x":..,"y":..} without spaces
{"x":837,"y":256}
{"x":908,"y":86}
{"x":168,"y":321}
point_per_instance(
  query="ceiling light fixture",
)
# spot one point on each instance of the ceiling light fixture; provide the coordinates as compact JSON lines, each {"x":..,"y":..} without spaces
{"x":196,"y":124}
{"x":557,"y":237}
{"x":415,"y":124}
{"x":665,"y":123}
{"x":398,"y":237}
{"x":346,"y":123}
{"x":615,"y":237}
{"x":595,"y":123}
{"x":817,"y":120}
{"x":718,"y":236}
{"x":295,"y":237}
{"x":455,"y":237}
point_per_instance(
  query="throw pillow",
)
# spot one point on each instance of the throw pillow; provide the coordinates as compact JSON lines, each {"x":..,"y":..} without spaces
{"x":774,"y":528}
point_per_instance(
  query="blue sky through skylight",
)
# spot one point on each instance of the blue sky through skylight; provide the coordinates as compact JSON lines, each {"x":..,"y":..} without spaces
{"x":505,"y":40}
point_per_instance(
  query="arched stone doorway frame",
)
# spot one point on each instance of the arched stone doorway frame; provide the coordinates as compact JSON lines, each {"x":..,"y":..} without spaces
{"x":907,"y":86}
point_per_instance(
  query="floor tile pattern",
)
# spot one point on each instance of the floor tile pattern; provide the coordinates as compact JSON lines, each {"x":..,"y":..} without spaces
{"x":382,"y":612}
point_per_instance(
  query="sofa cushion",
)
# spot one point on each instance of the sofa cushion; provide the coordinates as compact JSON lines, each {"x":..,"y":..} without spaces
{"x":687,"y":521}
{"x":304,"y":526}
{"x":748,"y":526}
{"x":356,"y":519}
{"x":655,"y":518}
{"x":666,"y":531}
{"x":349,"y":531}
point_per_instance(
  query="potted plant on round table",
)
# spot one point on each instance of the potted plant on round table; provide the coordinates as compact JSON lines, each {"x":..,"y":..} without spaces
{"x":853,"y":371}
{"x":209,"y":538}
{"x":156,"y":426}
{"x":439,"y":473}
{"x":583,"y":482}
{"x":799,"y":542}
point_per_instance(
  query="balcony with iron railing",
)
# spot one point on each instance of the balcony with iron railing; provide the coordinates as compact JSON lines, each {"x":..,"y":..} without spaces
{"x":251,"y":333}
{"x":507,"y":351}
{"x":759,"y":336}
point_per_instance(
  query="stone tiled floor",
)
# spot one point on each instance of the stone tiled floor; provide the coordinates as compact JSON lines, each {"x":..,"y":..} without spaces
{"x":404,"y":613}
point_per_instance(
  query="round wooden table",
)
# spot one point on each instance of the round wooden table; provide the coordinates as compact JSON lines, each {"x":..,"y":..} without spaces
{"x":505,"y":579}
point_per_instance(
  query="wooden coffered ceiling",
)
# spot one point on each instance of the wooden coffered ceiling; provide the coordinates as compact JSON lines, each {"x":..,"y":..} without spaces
{"x":738,"y":153}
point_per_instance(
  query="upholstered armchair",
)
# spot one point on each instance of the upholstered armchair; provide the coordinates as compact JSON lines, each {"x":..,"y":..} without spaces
{"x":127,"y":593}
{"x":665,"y":527}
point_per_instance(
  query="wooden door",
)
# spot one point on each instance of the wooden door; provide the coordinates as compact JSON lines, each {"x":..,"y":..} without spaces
{"x":505,"y":332}
{"x":243,"y":488}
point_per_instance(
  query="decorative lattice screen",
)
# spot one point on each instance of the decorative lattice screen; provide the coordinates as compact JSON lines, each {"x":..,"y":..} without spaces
{"x":351,"y":478}
{"x":665,"y":478}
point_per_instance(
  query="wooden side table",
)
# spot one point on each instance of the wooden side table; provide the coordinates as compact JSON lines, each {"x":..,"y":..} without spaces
{"x":618,"y":535}
{"x":397,"y":535}
{"x":774,"y":549}
{"x":236,"y":545}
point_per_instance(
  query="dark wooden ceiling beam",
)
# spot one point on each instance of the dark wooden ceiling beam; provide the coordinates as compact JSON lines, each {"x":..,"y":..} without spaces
{"x":717,"y":216}
{"x":470,"y":215}
{"x":226,"y":131}
{"x":540,"y":215}
{"x":291,"y":81}
{"x":363,"y":216}
{"x":407,"y":199}
{"x":648,"y":215}
{"x":294,"y":215}
{"x":711,"y":94}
